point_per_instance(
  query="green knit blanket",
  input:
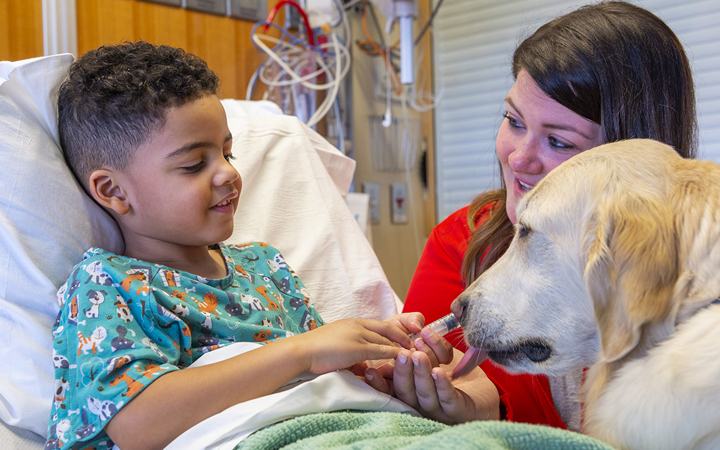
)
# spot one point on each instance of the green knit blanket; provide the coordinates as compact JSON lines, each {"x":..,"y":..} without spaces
{"x":384,"y":430}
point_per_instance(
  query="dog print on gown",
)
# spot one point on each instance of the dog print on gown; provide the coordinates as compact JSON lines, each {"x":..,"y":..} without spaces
{"x":124,"y":323}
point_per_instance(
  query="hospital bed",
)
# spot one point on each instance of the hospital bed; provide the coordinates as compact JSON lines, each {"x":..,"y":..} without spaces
{"x":294,"y":184}
{"x":293,"y":188}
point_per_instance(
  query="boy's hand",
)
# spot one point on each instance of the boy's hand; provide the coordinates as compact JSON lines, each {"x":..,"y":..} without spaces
{"x":344,"y":343}
{"x":436,"y":348}
{"x":431,"y":391}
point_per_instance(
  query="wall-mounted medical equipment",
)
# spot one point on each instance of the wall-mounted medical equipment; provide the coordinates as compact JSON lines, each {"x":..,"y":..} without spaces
{"x":404,"y":12}
{"x":305,"y":68}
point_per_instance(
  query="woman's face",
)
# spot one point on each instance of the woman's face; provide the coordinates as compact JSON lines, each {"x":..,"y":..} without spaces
{"x":537,"y":135}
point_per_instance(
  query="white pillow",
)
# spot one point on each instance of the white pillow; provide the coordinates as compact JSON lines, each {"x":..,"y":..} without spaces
{"x":46,"y":223}
{"x":293,"y":180}
{"x":292,"y":198}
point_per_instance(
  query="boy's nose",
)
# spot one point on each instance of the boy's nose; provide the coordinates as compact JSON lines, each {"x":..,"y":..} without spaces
{"x":227,"y":174}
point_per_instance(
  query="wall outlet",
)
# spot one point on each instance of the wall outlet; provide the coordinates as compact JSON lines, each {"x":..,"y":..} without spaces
{"x":373,"y":190}
{"x":399,"y":202}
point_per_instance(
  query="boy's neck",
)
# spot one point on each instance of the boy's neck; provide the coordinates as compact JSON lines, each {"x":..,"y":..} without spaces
{"x":200,"y":260}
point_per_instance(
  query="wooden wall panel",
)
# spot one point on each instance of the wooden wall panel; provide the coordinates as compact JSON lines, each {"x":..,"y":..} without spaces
{"x":21,"y":34}
{"x":223,"y":42}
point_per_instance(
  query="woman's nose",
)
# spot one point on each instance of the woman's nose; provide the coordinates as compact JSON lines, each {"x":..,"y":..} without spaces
{"x":526,"y":157}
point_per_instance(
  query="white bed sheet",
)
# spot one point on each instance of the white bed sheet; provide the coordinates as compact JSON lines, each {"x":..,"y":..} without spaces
{"x":306,"y":394}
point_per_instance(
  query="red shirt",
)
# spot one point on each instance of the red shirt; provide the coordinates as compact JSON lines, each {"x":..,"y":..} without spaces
{"x":437,"y":282}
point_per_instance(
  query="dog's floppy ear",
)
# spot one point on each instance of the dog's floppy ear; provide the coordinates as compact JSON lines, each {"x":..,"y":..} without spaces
{"x":631,"y":269}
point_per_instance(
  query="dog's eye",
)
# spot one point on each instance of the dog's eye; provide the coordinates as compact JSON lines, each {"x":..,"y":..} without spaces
{"x":522,"y":230}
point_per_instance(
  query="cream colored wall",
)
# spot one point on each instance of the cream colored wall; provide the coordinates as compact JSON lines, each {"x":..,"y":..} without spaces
{"x":398,"y":246}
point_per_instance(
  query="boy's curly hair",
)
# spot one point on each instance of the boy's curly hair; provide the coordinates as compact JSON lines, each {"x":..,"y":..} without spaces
{"x":116,"y":96}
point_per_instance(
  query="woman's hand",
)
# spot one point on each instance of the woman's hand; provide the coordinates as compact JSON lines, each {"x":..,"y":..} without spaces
{"x":418,"y":382}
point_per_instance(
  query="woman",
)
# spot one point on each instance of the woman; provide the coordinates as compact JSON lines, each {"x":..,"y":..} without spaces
{"x":602,"y":73}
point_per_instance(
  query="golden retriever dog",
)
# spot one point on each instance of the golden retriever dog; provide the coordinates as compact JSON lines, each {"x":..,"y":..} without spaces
{"x":615,"y":266}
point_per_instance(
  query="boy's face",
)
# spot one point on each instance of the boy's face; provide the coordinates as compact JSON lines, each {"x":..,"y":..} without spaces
{"x":181,"y":188}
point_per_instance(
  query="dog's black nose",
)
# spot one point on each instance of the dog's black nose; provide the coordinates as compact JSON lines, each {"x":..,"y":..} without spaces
{"x":458,"y":306}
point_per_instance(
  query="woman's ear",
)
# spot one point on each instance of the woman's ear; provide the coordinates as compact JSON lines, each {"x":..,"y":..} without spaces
{"x":104,"y":186}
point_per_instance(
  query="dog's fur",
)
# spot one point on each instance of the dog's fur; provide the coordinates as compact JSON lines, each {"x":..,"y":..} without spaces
{"x":614,"y":266}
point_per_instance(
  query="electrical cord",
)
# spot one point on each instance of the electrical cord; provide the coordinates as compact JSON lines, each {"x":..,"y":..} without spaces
{"x":428,"y":23}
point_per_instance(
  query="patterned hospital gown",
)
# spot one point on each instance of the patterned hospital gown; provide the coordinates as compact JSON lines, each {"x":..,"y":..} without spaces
{"x":125,"y":322}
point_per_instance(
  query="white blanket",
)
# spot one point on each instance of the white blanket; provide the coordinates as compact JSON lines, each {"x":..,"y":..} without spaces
{"x":306,"y":394}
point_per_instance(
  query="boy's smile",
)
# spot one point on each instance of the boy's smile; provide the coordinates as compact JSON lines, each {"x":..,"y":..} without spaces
{"x":181,"y":190}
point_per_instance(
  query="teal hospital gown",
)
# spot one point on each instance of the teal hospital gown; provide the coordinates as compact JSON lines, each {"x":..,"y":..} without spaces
{"x":124,"y":322}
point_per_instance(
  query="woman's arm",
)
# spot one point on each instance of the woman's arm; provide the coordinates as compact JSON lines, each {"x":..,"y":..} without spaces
{"x":437,"y":280}
{"x":181,"y":399}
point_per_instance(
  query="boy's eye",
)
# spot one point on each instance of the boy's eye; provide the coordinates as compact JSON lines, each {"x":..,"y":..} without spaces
{"x":194,"y":168}
{"x":229,"y":158}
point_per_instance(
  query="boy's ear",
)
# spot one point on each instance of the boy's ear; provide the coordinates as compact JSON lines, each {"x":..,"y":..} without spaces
{"x":106,"y":190}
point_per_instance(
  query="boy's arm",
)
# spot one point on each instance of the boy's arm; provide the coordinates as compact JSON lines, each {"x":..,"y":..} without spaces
{"x":181,"y":399}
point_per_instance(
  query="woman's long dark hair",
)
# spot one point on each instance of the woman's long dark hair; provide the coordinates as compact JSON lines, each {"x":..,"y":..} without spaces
{"x":615,"y":64}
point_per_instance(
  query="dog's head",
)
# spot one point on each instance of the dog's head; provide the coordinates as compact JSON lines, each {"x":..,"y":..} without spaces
{"x":592,"y":266}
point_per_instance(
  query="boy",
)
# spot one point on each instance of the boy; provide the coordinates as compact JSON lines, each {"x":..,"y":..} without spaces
{"x":145,"y":134}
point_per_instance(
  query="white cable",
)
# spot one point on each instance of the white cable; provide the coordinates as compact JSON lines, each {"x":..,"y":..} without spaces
{"x":415,"y":92}
{"x":251,"y":84}
{"x":387,"y":120}
{"x":294,"y":59}
{"x":333,"y":84}
{"x":340,"y":49}
{"x":329,"y":99}
{"x":409,"y":152}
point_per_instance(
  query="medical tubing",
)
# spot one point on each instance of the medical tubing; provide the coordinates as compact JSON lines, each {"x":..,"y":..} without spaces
{"x":340,"y":127}
{"x":256,"y":39}
{"x":306,"y":56}
{"x":271,"y":16}
{"x":327,"y":103}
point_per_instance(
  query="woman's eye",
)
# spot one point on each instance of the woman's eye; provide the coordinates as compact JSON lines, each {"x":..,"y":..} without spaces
{"x":229,"y":158}
{"x":556,"y":143}
{"x":194,"y":168}
{"x":511,"y":121}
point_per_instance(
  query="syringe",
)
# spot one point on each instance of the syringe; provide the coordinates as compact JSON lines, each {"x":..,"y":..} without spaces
{"x":442,"y":326}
